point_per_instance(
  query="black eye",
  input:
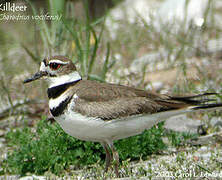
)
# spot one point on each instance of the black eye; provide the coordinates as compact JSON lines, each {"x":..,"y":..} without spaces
{"x":54,"y":66}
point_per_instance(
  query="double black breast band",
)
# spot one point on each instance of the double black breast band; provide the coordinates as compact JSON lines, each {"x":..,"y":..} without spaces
{"x":61,"y":107}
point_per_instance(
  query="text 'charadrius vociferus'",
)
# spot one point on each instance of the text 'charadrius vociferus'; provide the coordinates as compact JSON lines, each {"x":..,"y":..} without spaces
{"x":102,"y":112}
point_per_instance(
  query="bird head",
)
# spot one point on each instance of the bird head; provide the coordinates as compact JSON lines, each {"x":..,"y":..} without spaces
{"x":56,"y":70}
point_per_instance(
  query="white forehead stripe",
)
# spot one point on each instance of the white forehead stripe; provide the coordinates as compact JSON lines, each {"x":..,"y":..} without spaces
{"x":43,"y":67}
{"x":57,"y":61}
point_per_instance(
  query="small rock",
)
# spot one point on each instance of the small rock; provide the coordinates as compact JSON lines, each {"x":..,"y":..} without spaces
{"x":195,"y":158}
{"x":2,"y":140}
{"x":206,"y":156}
{"x":203,"y":148}
{"x":216,"y":121}
{"x":9,"y":177}
{"x":33,"y":177}
{"x":2,"y":133}
{"x":182,"y":123}
{"x":154,"y":86}
{"x":219,"y":159}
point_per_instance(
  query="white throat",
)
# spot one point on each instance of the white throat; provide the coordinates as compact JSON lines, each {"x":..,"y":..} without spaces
{"x":56,"y":81}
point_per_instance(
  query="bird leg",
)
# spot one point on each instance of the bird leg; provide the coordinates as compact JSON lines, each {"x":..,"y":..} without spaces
{"x":108,"y":155}
{"x":116,"y":159}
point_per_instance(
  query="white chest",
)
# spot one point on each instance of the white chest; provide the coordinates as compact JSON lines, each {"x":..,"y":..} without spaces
{"x":54,"y":103}
{"x":81,"y":127}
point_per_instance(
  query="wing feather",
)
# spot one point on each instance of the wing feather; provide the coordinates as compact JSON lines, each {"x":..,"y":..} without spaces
{"x":110,"y":101}
{"x":117,"y":108}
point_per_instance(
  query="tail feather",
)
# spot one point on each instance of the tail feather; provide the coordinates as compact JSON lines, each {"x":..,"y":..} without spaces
{"x":195,"y":99}
{"x":195,"y":102}
{"x":207,"y":106}
{"x":201,"y":101}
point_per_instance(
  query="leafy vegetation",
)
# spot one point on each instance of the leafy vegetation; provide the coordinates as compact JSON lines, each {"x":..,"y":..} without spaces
{"x":178,"y":138}
{"x":49,"y":148}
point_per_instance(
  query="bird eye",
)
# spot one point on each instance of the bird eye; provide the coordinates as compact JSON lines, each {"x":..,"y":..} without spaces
{"x":54,"y":66}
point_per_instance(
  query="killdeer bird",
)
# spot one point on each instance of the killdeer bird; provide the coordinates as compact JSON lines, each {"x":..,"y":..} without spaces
{"x":102,"y":112}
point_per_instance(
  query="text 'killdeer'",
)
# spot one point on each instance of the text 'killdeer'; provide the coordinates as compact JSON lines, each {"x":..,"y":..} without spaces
{"x":102,"y":112}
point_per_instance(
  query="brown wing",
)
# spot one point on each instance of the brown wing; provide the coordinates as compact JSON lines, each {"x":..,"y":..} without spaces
{"x":117,"y":108}
{"x":108,"y":101}
{"x":95,"y":91}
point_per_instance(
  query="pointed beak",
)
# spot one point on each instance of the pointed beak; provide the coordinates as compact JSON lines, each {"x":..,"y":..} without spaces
{"x":36,"y":76}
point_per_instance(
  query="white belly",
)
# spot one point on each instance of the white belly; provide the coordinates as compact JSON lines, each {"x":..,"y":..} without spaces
{"x":81,"y":127}
{"x":95,"y":129}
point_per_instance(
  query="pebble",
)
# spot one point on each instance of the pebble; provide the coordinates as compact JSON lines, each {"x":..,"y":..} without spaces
{"x":2,"y":132}
{"x":33,"y":177}
{"x":182,"y":123}
{"x":216,"y":121}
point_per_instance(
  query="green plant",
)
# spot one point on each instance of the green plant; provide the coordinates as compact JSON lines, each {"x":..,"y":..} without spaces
{"x":142,"y":145}
{"x":177,"y":138}
{"x":49,"y":148}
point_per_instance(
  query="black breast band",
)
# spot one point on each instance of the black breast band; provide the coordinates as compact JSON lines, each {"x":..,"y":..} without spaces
{"x":61,"y":107}
{"x":56,"y":91}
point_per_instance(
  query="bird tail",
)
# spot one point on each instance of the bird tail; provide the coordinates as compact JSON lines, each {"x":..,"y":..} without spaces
{"x":177,"y":105}
{"x":206,"y":101}
{"x":207,"y":106}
